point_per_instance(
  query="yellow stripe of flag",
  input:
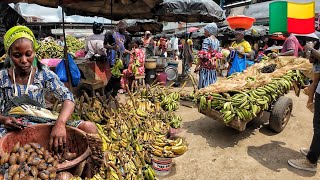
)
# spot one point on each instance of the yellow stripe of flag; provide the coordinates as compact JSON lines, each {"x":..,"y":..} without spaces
{"x":301,"y":11}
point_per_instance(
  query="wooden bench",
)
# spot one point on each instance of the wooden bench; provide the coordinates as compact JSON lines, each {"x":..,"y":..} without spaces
{"x":93,"y":85}
{"x":137,"y":82}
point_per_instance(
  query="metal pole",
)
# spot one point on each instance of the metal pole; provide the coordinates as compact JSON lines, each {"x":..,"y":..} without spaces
{"x":65,"y":49}
{"x":111,"y":11}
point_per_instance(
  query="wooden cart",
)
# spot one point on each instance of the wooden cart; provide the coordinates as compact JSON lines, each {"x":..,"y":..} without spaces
{"x":280,"y":114}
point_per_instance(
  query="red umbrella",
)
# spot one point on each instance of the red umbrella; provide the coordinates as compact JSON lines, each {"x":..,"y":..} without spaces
{"x":193,"y":29}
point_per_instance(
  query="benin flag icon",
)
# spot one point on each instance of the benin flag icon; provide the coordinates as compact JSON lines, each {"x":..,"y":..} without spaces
{"x":289,"y":17}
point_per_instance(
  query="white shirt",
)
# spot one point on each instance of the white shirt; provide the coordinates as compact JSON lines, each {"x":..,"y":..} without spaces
{"x":174,"y":43}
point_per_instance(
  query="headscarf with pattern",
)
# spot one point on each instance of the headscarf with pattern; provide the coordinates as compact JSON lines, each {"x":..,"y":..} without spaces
{"x":212,"y":28}
{"x":16,"y":33}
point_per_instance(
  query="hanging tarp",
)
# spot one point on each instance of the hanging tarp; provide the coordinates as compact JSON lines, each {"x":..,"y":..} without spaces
{"x":139,"y":25}
{"x":121,"y":9}
{"x":189,"y":11}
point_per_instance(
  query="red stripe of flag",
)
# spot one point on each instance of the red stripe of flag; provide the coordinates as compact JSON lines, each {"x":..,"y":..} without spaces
{"x":301,"y":26}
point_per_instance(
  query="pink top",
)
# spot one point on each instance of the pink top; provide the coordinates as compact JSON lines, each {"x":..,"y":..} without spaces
{"x":291,"y":43}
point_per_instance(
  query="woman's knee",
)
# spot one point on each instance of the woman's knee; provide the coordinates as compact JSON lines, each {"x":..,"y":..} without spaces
{"x":88,"y":127}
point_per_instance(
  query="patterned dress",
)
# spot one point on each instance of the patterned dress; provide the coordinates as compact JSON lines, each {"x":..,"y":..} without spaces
{"x":44,"y":81}
{"x":208,"y":74}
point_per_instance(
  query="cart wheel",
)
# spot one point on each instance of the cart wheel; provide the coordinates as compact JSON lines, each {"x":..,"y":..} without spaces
{"x":280,"y":114}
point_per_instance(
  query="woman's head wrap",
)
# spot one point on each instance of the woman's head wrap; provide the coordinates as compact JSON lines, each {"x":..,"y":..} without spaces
{"x":212,"y":28}
{"x":16,"y":33}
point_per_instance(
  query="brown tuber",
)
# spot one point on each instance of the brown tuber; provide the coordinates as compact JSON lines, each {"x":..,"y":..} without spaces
{"x":64,"y":176}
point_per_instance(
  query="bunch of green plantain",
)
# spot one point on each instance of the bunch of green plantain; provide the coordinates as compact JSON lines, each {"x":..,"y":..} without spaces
{"x":170,"y":102}
{"x":246,"y":105}
{"x":49,"y":50}
{"x":74,"y":44}
{"x":116,"y":69}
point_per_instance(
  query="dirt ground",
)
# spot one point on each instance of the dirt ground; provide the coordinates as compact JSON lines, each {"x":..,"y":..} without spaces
{"x":219,"y":152}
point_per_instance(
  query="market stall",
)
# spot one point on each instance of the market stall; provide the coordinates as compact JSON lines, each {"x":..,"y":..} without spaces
{"x":245,"y":96}
{"x":132,"y":142}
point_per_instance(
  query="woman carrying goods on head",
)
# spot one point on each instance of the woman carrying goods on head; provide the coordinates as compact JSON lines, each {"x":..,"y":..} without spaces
{"x":240,"y":51}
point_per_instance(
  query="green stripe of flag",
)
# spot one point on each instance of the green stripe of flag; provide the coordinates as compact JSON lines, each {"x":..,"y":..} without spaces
{"x":278,"y":13}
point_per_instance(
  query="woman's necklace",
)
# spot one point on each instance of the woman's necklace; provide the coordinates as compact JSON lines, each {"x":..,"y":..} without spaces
{"x":22,"y":79}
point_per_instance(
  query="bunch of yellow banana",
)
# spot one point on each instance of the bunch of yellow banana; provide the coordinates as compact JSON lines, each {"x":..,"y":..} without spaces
{"x":168,"y":148}
{"x":169,"y":104}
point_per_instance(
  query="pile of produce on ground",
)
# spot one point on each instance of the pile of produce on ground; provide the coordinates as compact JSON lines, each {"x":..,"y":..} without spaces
{"x":253,"y":78}
{"x":244,"y":95}
{"x":134,"y":132}
{"x":31,"y":161}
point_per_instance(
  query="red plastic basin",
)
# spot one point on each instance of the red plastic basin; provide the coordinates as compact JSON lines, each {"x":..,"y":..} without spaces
{"x":240,"y":22}
{"x":40,"y":133}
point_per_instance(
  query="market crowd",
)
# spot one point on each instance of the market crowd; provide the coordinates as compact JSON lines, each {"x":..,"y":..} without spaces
{"x":24,"y":80}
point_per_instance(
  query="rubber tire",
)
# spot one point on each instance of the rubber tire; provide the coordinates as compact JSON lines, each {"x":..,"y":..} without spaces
{"x":279,"y":114}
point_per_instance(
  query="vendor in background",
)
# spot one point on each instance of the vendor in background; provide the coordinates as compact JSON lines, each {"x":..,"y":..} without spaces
{"x":23,"y":83}
{"x":312,"y":154}
{"x":60,"y":41}
{"x":174,"y":41}
{"x":162,"y":43}
{"x":148,"y":44}
{"x":136,"y":64}
{"x":94,"y":44}
{"x":241,"y":50}
{"x":188,"y":53}
{"x":207,"y":64}
{"x":290,"y":47}
{"x":114,"y":43}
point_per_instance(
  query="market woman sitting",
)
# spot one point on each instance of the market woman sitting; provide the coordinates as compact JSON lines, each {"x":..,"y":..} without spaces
{"x":23,"y":83}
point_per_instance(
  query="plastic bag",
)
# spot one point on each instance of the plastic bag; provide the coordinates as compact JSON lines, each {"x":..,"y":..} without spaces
{"x":74,"y":71}
{"x":238,"y":64}
{"x":61,"y":71}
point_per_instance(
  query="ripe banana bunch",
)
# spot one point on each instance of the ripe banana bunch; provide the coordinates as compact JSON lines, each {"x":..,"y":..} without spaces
{"x":168,"y":148}
{"x":93,"y":116}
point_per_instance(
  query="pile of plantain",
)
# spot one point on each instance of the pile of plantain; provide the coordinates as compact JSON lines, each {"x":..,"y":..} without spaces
{"x":131,"y":134}
{"x":74,"y":44}
{"x":245,"y":105}
{"x":29,"y":161}
{"x":49,"y":50}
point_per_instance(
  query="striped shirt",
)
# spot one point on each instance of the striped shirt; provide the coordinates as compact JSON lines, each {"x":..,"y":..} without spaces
{"x":45,"y":81}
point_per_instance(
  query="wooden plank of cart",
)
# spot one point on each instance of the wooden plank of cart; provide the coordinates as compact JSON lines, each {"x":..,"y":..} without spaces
{"x":280,"y":113}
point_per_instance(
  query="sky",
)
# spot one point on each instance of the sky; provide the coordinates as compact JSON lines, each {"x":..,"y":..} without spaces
{"x":54,"y":14}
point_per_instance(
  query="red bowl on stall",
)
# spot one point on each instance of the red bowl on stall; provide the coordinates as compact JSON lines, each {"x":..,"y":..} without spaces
{"x":240,"y":22}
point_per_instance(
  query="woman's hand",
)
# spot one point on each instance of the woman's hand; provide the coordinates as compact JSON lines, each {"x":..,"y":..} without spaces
{"x":58,"y":137}
{"x":12,"y":123}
